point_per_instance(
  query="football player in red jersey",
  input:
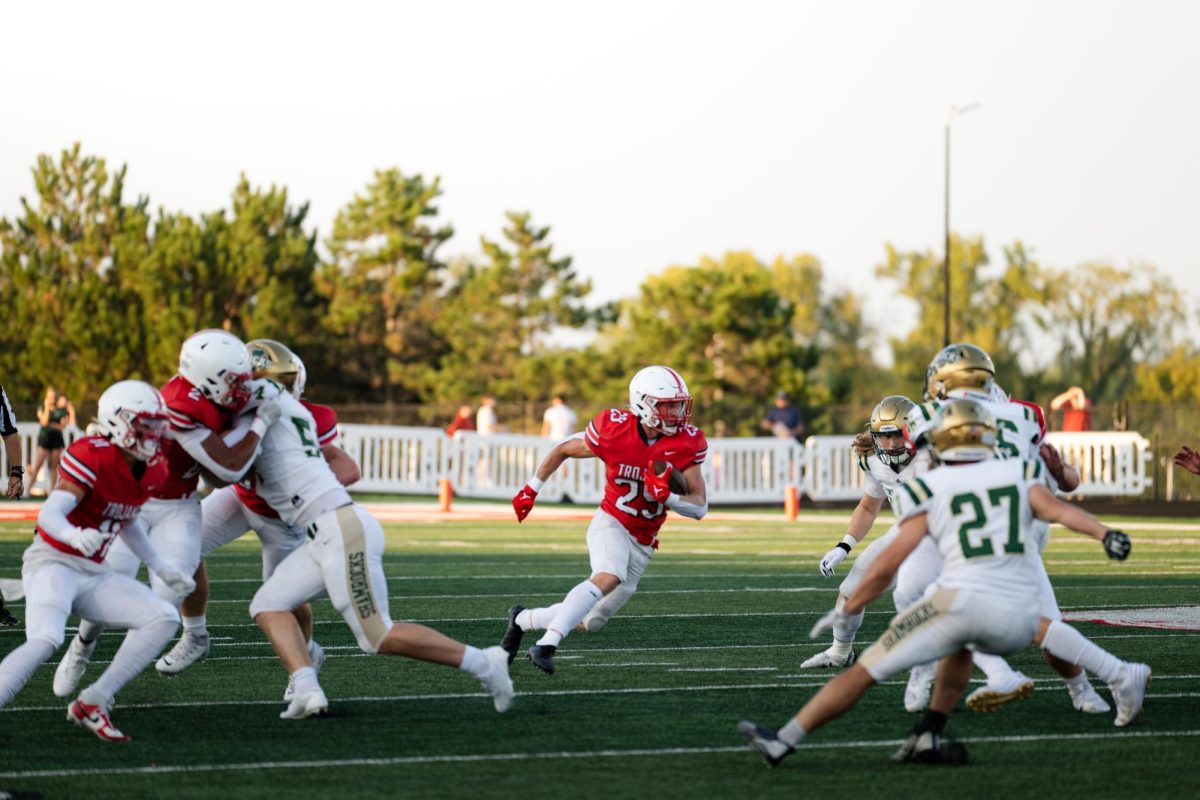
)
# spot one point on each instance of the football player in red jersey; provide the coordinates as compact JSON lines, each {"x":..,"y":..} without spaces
{"x":624,"y":532}
{"x":212,"y":386}
{"x":232,"y":510}
{"x":103,"y":483}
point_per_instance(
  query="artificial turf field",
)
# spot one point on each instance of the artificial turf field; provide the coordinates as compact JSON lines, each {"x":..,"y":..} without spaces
{"x":645,"y":707}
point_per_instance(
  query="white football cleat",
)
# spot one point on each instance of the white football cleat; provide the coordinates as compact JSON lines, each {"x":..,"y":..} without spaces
{"x":312,"y":704}
{"x":829,"y":658}
{"x":72,"y":666}
{"x":187,"y":651}
{"x":1086,"y":699}
{"x":95,"y":719}
{"x":919,"y":688}
{"x":316,"y":654}
{"x":995,"y":696}
{"x":496,"y":682}
{"x":1129,"y":690}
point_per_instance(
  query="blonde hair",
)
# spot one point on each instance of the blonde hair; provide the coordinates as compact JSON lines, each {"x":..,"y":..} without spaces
{"x":863,"y":445}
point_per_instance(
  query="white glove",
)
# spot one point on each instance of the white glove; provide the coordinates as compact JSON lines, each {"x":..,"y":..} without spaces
{"x":832,"y":559}
{"x":181,"y":584}
{"x":86,"y":540}
{"x":827,"y":622}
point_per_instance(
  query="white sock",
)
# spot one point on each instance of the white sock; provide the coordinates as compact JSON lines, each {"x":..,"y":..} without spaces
{"x":1070,"y":645}
{"x":140,"y":648}
{"x":304,"y":681}
{"x":995,"y":668}
{"x":1080,"y":682}
{"x":94,"y":697}
{"x":90,"y":631}
{"x":537,"y":619}
{"x":19,"y":665}
{"x":571,"y":611}
{"x":474,"y":662}
{"x":791,"y":734}
{"x":313,"y":649}
{"x":197,"y":627}
{"x":844,"y":632}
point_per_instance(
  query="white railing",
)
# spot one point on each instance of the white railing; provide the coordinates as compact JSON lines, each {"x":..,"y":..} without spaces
{"x":754,"y":470}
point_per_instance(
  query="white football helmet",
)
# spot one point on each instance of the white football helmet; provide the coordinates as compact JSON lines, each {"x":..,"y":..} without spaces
{"x":216,"y":363}
{"x":660,"y":399}
{"x":133,"y":415}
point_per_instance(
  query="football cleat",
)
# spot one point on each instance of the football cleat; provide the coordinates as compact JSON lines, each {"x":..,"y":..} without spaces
{"x":828,"y":658}
{"x":995,"y":696}
{"x":187,"y":651}
{"x":765,"y":741}
{"x":920,"y":686}
{"x":512,"y":636}
{"x":1129,"y":690}
{"x":96,"y":720}
{"x":542,"y":656}
{"x":312,"y":704}
{"x":497,"y":683}
{"x":929,"y":748}
{"x":1087,"y":700}
{"x":72,"y":666}
{"x":316,"y":654}
{"x":6,"y":617}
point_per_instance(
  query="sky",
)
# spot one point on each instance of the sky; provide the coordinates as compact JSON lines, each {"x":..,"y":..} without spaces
{"x":647,"y":133}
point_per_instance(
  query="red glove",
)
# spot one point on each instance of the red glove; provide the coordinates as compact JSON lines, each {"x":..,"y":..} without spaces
{"x":657,"y":486}
{"x":523,"y":502}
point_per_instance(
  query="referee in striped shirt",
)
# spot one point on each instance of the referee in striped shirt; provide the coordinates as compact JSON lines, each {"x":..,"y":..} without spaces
{"x":16,"y":473}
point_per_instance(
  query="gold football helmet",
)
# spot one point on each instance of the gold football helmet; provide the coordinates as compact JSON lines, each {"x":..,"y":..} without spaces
{"x":959,"y":366}
{"x":271,"y":359}
{"x":888,"y":420}
{"x":962,"y":430}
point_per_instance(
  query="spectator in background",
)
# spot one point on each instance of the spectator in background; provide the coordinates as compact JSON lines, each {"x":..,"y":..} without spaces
{"x":1076,"y":408}
{"x":463,"y":421}
{"x":485,"y":420}
{"x":1189,"y":459}
{"x":783,"y":419}
{"x":559,"y":421}
{"x":16,"y":474}
{"x":54,"y":415}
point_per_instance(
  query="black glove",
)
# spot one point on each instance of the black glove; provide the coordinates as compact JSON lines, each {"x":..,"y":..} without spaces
{"x":1117,"y":545}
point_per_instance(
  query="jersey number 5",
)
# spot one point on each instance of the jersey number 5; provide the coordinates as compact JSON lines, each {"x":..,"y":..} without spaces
{"x":304,"y":429}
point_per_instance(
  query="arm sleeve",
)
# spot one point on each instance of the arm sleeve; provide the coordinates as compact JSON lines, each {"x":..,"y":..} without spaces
{"x":193,"y":443}
{"x":8,"y":420}
{"x":681,"y":506}
{"x":52,"y":517}
{"x":135,"y":538}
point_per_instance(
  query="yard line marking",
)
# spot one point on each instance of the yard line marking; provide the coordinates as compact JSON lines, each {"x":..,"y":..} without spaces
{"x":404,"y":698}
{"x":562,"y":754}
{"x":748,"y":589}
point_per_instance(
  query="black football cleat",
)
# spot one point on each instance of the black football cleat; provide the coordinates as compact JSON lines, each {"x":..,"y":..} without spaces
{"x":542,"y":656}
{"x":512,"y":637}
{"x":6,"y":617}
{"x":929,"y":748}
{"x":765,"y":742}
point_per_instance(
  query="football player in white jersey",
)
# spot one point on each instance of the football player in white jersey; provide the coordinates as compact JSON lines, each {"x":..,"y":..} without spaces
{"x":888,"y":458}
{"x":966,"y":371}
{"x":343,"y":557}
{"x":230,"y":511}
{"x":978,"y":510}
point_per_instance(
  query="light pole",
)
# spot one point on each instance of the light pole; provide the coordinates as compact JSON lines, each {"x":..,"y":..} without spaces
{"x":951,"y":113}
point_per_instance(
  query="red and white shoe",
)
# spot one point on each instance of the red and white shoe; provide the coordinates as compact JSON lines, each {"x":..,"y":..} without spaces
{"x":96,"y":720}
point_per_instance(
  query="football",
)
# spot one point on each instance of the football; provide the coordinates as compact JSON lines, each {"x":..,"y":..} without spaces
{"x":678,"y":483}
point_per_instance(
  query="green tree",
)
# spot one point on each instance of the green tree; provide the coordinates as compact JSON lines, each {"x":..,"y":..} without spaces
{"x":69,"y":316}
{"x":499,"y":318}
{"x":382,"y":285}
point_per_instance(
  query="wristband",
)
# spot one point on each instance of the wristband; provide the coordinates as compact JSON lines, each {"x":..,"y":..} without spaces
{"x":258,"y":426}
{"x":847,"y":543}
{"x":535,"y":483}
{"x":16,"y":471}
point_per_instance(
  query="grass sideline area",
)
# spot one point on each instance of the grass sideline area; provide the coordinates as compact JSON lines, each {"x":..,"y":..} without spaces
{"x":647,"y":706}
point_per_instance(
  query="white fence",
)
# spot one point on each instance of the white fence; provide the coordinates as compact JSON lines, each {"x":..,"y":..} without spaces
{"x":412,"y":460}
